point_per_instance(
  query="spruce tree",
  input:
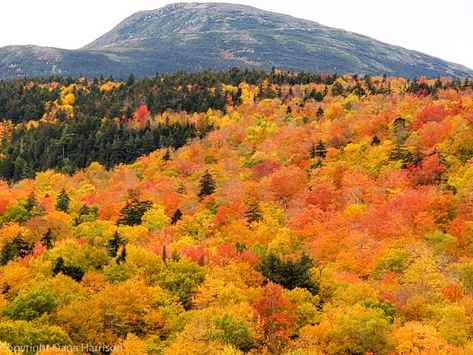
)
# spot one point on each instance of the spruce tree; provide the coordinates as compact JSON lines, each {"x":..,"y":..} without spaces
{"x":133,"y":212}
{"x":47,"y":240}
{"x":114,"y":244}
{"x":18,"y":247}
{"x":375,"y":140}
{"x":31,"y":202}
{"x":167,"y":155}
{"x":176,"y":216}
{"x":164,"y":254}
{"x":253,"y":213}
{"x":321,"y":150}
{"x":312,"y":151}
{"x":58,"y":266}
{"x":122,"y":257}
{"x":290,"y":274}
{"x":62,"y":202}
{"x":207,"y":185}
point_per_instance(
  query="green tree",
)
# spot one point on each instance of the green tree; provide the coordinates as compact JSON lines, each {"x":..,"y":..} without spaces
{"x":31,"y":202}
{"x":131,"y":80}
{"x":180,"y":278}
{"x":114,"y":244}
{"x":47,"y":239}
{"x":207,"y":185}
{"x":176,"y":216}
{"x":22,"y":333}
{"x":288,"y":273}
{"x":122,"y":257}
{"x":253,"y":213}
{"x":31,"y":305}
{"x":233,"y":332}
{"x":312,"y":151}
{"x":167,"y":155}
{"x":320,"y":150}
{"x":133,"y":211}
{"x":62,"y":201}
{"x":74,"y":272}
{"x":18,"y":247}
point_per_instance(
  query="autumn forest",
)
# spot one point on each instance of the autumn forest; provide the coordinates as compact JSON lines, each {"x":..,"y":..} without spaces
{"x":236,"y":212}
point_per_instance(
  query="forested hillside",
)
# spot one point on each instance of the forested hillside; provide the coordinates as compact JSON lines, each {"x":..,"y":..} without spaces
{"x":237,"y":212}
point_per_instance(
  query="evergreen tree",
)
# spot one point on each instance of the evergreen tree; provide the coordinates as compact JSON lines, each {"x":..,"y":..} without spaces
{"x":253,"y":213}
{"x":131,"y":80}
{"x":17,"y":248}
{"x":74,"y":272}
{"x":114,"y":244}
{"x":31,"y":202}
{"x":47,"y":240}
{"x":400,"y":152}
{"x":122,"y":257}
{"x":321,"y":150}
{"x":164,"y":255}
{"x":207,"y":185}
{"x":176,"y":216}
{"x":62,"y":201}
{"x":133,"y":212}
{"x":58,"y":265}
{"x":375,"y":140}
{"x":167,"y":155}
{"x":288,"y":273}
{"x":312,"y":151}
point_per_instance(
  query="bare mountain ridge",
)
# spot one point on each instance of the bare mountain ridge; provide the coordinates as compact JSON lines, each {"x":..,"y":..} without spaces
{"x":197,"y":36}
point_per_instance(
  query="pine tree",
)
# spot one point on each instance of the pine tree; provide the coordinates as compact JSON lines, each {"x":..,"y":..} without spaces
{"x":375,"y":140}
{"x":207,"y":185}
{"x":74,"y":272}
{"x":253,"y":213}
{"x":176,"y":216}
{"x":122,"y":257}
{"x":47,"y":240}
{"x":31,"y":202}
{"x":312,"y":151}
{"x":167,"y":155}
{"x":131,"y":80}
{"x":290,"y":274}
{"x":133,"y":212}
{"x":62,"y":202}
{"x":18,"y":247}
{"x":164,"y":255}
{"x":114,"y":244}
{"x":58,"y":266}
{"x":321,"y":150}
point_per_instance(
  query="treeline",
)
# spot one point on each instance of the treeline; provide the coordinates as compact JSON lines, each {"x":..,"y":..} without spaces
{"x":71,"y":145}
{"x":26,"y":99}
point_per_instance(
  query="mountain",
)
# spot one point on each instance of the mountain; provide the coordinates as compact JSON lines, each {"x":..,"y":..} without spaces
{"x":196,"y":36}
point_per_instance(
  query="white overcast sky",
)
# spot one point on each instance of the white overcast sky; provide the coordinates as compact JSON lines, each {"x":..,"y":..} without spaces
{"x":437,"y":27}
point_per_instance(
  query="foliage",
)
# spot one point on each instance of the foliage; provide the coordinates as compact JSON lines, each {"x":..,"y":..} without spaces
{"x":233,"y":332}
{"x":31,"y":305}
{"x":16,"y":248}
{"x":74,"y":272}
{"x":288,"y":273}
{"x":180,"y":278}
{"x":311,"y":214}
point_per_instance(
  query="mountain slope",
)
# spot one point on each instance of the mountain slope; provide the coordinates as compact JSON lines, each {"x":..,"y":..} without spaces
{"x":196,"y":36}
